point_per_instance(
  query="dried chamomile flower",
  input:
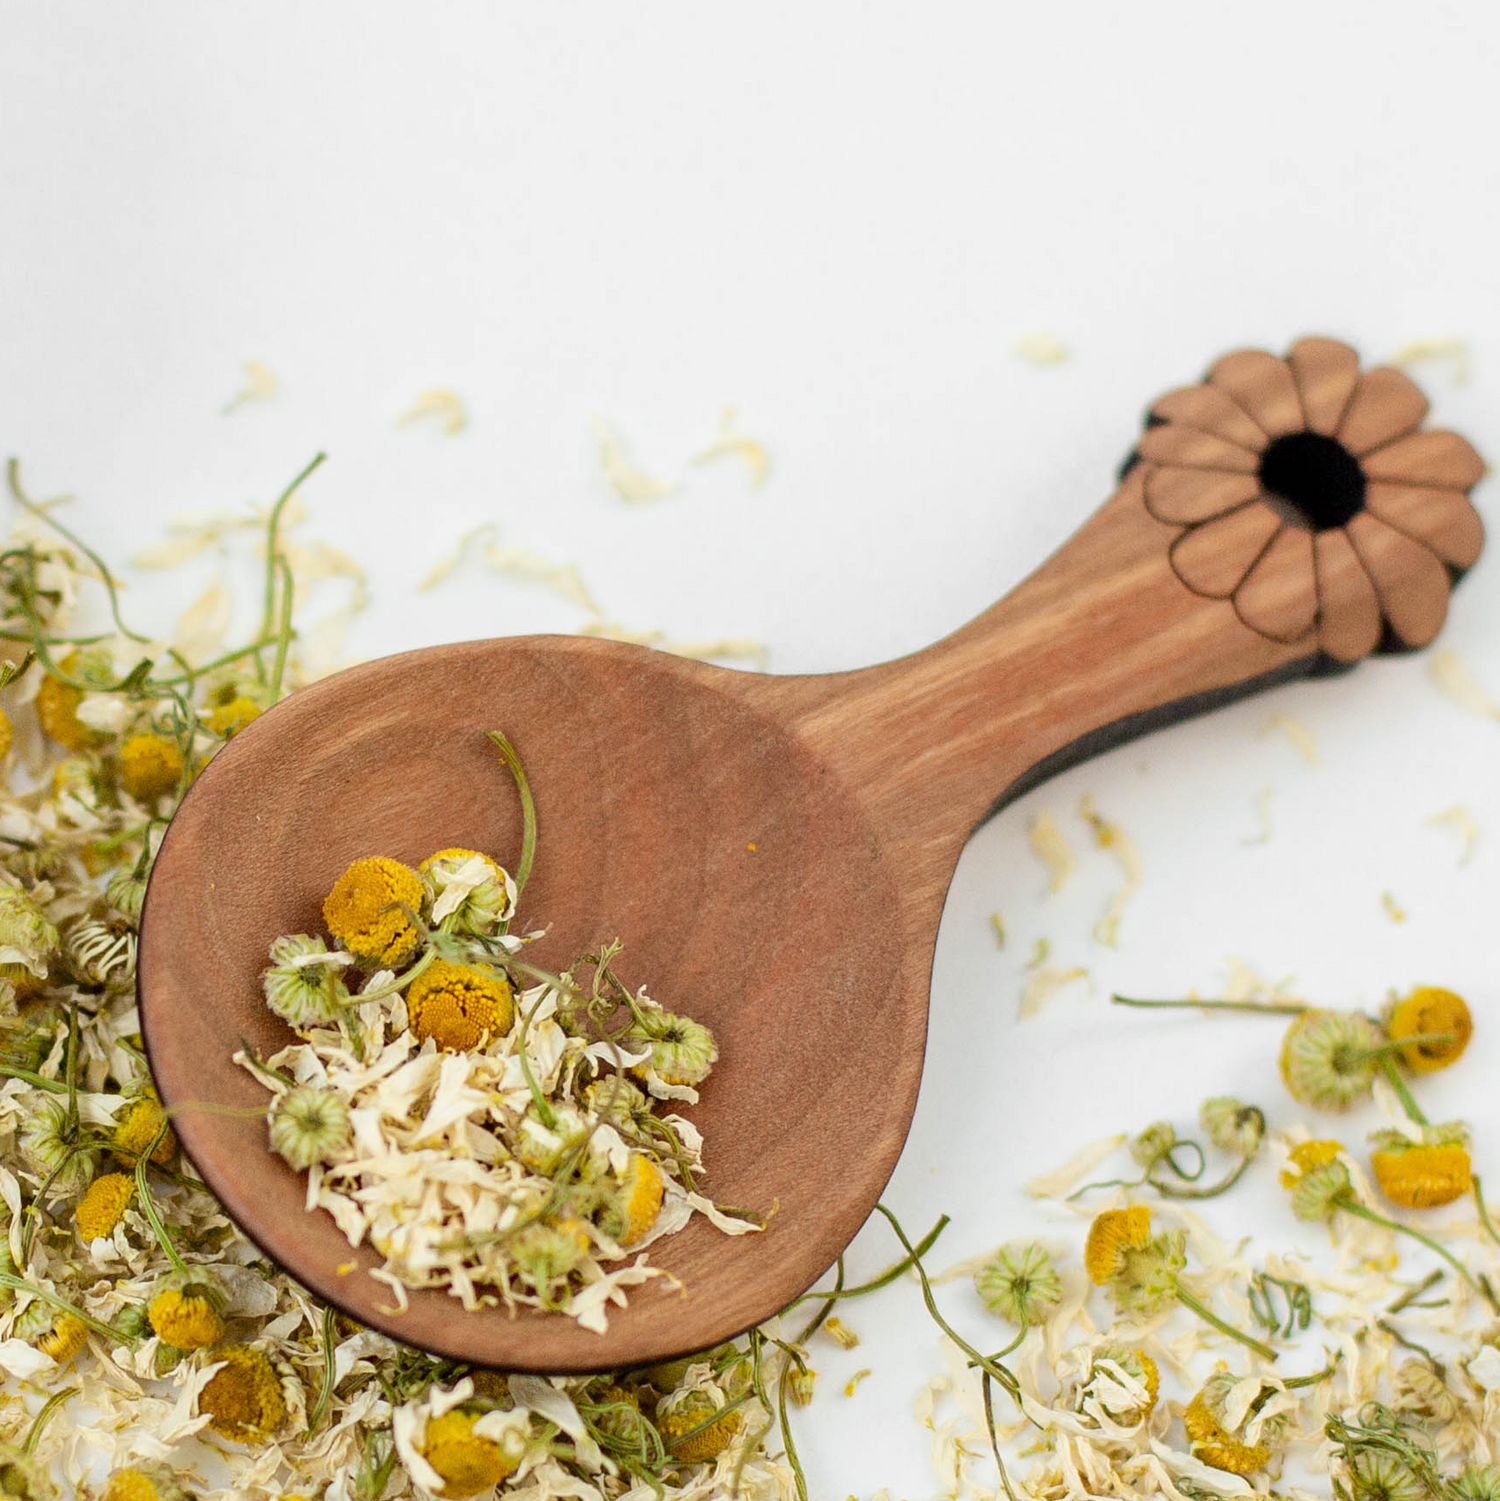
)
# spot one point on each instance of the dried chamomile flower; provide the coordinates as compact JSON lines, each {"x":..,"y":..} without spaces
{"x":1380,"y":1474}
{"x":1437,"y":1015}
{"x":304,"y":983}
{"x":1417,"y":1389}
{"x":136,"y":1126}
{"x":150,"y":766}
{"x":52,"y":1145}
{"x":1233,"y":1126}
{"x":1226,"y":1448}
{"x":470,"y":892}
{"x":229,"y":718}
{"x":101,"y":951}
{"x":367,"y":910}
{"x":7,"y":734}
{"x":1020,"y":1284}
{"x":1104,"y":1387}
{"x":1139,"y":1269}
{"x":545,"y":1147}
{"x":125,"y":891}
{"x":22,"y":1478}
{"x":631,"y":1211}
{"x":1423,"y":1174}
{"x":1477,"y":1483}
{"x":187,"y":1309}
{"x":63,"y":1338}
{"x":28,"y":941}
{"x":1329,"y":1058}
{"x":309,"y":1124}
{"x":801,"y":1382}
{"x":840,"y":1333}
{"x":468,"y":1462}
{"x":617,"y":1102}
{"x":103,"y":1205}
{"x":458,"y":1005}
{"x":694,"y":1427}
{"x":545,"y":1256}
{"x":1318,"y":1179}
{"x":244,"y":1399}
{"x":682,"y":1051}
{"x":57,"y":702}
{"x":1153,"y":1143}
{"x":144,"y":1482}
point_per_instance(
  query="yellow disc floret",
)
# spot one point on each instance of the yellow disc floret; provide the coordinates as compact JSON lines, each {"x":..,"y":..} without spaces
{"x":103,"y":1205}
{"x":229,"y":719}
{"x":641,"y":1192}
{"x":1423,"y":1174}
{"x":57,"y":709}
{"x":7,"y":734}
{"x":456,"y":1005}
{"x":367,"y":910}
{"x":243,"y":1399}
{"x":150,"y":765}
{"x":1435,"y":1013}
{"x":1111,"y":1236}
{"x":146,"y":1482}
{"x":187,"y":1311}
{"x":468,"y":1462}
{"x":692,"y":1433}
{"x":67,"y":1336}
{"x":136,"y":1127}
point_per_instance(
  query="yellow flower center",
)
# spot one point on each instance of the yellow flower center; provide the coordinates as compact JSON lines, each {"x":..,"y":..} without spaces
{"x":135,"y":1128}
{"x":229,"y":719}
{"x":456,"y":1005}
{"x":642,"y":1192}
{"x":243,"y":1399}
{"x":1214,"y":1445}
{"x":66,"y":1337}
{"x":57,"y":709}
{"x":131,"y":1484}
{"x":364,"y":910}
{"x":103,"y":1205}
{"x":467,"y":1462}
{"x":7,"y":734}
{"x":676,"y":1428}
{"x":1308,"y":1155}
{"x":1112,"y":1236}
{"x":1427,"y":1011}
{"x":186,"y":1320}
{"x":150,"y":765}
{"x":1422,"y":1177}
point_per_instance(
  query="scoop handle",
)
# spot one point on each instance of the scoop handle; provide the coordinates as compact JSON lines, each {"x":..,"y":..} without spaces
{"x":1187,"y":589}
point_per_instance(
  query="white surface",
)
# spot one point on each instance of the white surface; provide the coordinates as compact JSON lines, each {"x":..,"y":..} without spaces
{"x":839,"y":219}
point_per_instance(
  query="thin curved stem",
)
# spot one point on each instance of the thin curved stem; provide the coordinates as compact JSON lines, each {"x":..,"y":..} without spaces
{"x":1204,"y":1312}
{"x":1353,"y":1206}
{"x":1273,"y":1008}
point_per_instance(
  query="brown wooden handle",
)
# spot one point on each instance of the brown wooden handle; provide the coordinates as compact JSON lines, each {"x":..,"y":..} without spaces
{"x":1284,"y":517}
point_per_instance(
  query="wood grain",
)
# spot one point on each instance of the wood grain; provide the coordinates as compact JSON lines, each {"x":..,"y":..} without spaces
{"x":775,"y":853}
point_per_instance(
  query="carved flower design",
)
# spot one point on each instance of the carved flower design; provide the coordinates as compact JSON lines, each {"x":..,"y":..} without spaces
{"x":1310,"y":495}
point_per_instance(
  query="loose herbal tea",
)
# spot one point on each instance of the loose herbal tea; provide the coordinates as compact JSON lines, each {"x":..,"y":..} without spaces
{"x":496,"y":1138}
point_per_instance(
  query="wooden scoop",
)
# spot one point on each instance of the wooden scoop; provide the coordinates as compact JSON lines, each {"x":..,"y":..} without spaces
{"x":775,"y":851}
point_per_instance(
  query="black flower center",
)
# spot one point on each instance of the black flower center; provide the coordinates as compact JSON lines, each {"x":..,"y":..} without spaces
{"x":1317,"y":477}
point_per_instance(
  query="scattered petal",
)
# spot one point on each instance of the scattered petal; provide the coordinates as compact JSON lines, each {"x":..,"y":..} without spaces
{"x":439,"y":405}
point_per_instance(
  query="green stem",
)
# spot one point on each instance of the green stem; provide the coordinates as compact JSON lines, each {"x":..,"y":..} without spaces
{"x":1273,"y":1008}
{"x":528,"y":808}
{"x":21,"y":1285}
{"x":273,"y":553}
{"x":15,"y":1071}
{"x":1484,"y":1214}
{"x":1175,"y":1191}
{"x":888,"y":1276}
{"x":1204,"y":1312}
{"x":1416,"y":1040}
{"x":325,"y":1387}
{"x":283,"y":630}
{"x":39,"y":1422}
{"x":1408,"y":1102}
{"x":148,"y":1206}
{"x":1353,"y":1206}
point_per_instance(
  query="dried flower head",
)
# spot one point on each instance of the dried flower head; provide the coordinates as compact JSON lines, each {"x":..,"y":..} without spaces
{"x":143,"y":1482}
{"x":1221,"y":1447}
{"x":51,"y":1143}
{"x":1318,"y":1179}
{"x":1153,"y":1143}
{"x":103,"y":1205}
{"x":1140,"y":1269}
{"x":1477,"y":1483}
{"x":468,"y":1462}
{"x":243,"y":1399}
{"x":690,"y":1429}
{"x":65,"y":1337}
{"x":682,"y":1050}
{"x":1112,"y":1234}
{"x":1328,"y":1058}
{"x":801,"y":1382}
{"x":7,"y":734}
{"x":135,"y":1129}
{"x":150,"y":766}
{"x":631,"y":1211}
{"x":126,"y":893}
{"x":458,"y":1006}
{"x":470,"y":889}
{"x":1431,"y":1012}
{"x":1105,"y":1388}
{"x":1019,"y":1283}
{"x":1380,"y":1474}
{"x":57,"y":704}
{"x":1423,"y":1174}
{"x":187,"y":1309}
{"x":546,"y":1255}
{"x":229,"y":718}
{"x":367,"y":910}
{"x":309,"y":1124}
{"x":22,"y":1478}
{"x":1233,"y":1126}
{"x":304,"y":984}
{"x":28,"y":942}
{"x":1418,"y":1389}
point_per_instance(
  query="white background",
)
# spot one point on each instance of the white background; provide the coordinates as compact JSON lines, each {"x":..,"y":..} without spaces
{"x":839,"y":218}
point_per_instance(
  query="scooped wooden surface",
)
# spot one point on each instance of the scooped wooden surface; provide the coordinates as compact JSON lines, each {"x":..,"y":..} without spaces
{"x":775,"y":851}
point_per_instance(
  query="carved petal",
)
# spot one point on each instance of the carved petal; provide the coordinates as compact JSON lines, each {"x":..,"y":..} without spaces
{"x":1409,"y":578}
{"x":1327,"y":373}
{"x":1172,"y":443}
{"x":1387,"y":404}
{"x":1209,"y":409}
{"x":1212,"y":559}
{"x":1263,"y":386}
{"x":1431,"y":458}
{"x":1185,"y":496}
{"x":1279,"y":597}
{"x":1443,"y":519}
{"x":1348,"y":607}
